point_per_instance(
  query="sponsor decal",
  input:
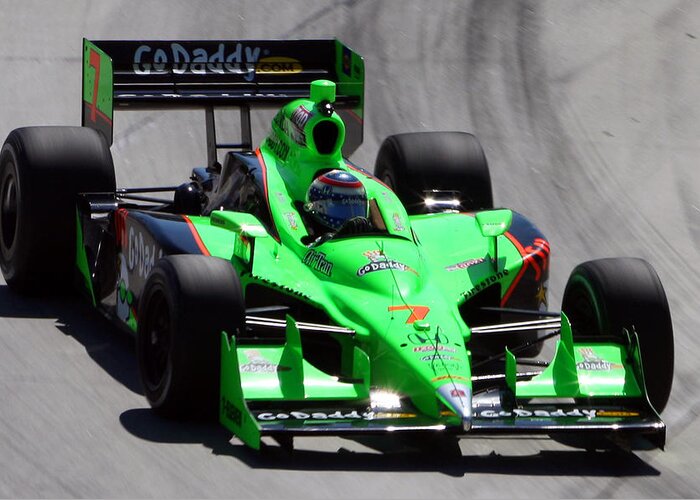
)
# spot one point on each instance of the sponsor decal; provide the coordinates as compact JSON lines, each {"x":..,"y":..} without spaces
{"x":417,"y":312}
{"x":427,"y":338}
{"x":141,"y":255}
{"x":318,"y":262}
{"x":226,"y":59}
{"x":520,"y":413}
{"x":125,"y":297}
{"x":434,"y":357}
{"x":292,"y":221}
{"x":300,"y":117}
{"x":382,"y":414}
{"x":278,"y":147}
{"x":557,"y":413}
{"x":380,"y":262}
{"x":317,"y":415}
{"x":487,"y":282}
{"x":593,"y":363}
{"x":541,"y":296}
{"x":258,"y":364}
{"x":278,"y":65}
{"x":459,"y":397}
{"x":445,"y":367}
{"x":432,"y":348}
{"x":496,"y":225}
{"x":465,"y":264}
{"x":617,"y":413}
{"x":398,"y":223}
{"x":448,"y":377}
{"x":290,"y":129}
{"x":231,"y":411}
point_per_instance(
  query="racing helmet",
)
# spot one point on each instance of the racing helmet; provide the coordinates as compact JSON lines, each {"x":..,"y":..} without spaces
{"x":335,"y":197}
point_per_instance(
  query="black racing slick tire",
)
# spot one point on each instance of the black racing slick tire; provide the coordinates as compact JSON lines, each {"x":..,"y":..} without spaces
{"x":42,"y":170}
{"x":603,"y":297}
{"x":188,"y":300}
{"x":414,"y":163}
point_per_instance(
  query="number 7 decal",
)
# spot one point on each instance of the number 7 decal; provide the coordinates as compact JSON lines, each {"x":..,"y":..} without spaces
{"x":94,"y":63}
{"x":417,"y":312}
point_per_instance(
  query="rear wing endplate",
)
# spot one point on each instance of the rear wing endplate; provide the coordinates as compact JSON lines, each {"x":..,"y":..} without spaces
{"x":218,"y":73}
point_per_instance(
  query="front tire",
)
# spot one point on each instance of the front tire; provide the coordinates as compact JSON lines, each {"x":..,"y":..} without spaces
{"x":188,"y":300}
{"x":42,"y":170}
{"x":602,"y":297}
{"x":413,"y":163}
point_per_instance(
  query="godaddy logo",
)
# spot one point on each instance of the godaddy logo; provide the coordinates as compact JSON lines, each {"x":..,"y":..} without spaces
{"x":380,"y":262}
{"x":179,"y":59}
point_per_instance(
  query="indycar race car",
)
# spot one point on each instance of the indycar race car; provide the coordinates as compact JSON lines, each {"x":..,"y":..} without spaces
{"x":295,"y":293}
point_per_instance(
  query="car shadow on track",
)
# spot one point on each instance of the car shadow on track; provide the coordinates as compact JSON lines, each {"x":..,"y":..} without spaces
{"x":113,"y":351}
{"x":110,"y":348}
{"x":386,"y":454}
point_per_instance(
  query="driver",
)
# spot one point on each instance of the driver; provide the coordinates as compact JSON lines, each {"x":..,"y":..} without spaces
{"x":337,"y":200}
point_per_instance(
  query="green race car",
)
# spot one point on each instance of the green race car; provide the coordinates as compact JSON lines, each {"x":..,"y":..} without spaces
{"x":296,"y":293}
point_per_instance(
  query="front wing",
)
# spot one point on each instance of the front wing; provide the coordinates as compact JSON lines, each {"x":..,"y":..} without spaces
{"x":270,"y":390}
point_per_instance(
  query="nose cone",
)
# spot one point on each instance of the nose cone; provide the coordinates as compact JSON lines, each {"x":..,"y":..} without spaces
{"x":459,"y":398}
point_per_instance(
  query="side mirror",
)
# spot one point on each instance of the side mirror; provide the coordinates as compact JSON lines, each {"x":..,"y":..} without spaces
{"x":492,"y":224}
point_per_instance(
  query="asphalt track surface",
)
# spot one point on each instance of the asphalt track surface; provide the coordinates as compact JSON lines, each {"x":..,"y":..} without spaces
{"x":589,"y":113}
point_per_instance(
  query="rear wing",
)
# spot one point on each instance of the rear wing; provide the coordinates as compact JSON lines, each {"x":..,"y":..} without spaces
{"x":210,"y":74}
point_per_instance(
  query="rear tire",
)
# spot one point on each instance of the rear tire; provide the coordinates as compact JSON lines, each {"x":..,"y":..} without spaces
{"x":188,"y":300}
{"x":416,"y":162}
{"x":604,"y":296}
{"x":42,"y":170}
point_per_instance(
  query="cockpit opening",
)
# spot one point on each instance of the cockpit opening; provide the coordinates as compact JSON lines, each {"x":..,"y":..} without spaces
{"x":325,"y":136}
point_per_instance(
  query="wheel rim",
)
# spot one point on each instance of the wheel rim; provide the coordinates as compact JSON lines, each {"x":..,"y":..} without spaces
{"x":8,"y":209}
{"x":157,"y":343}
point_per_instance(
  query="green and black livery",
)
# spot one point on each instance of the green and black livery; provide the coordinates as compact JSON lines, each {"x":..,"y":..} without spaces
{"x":426,"y":323}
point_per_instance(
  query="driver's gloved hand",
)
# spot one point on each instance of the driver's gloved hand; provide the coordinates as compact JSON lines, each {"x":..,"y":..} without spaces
{"x":356,"y":225}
